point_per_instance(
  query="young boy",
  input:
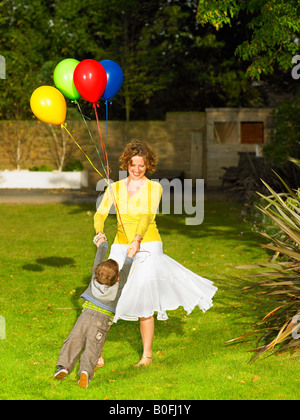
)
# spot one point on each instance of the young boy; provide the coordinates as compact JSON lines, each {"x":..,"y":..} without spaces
{"x":91,"y":328}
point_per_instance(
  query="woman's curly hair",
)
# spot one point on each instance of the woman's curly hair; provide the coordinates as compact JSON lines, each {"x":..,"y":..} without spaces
{"x":138,"y":148}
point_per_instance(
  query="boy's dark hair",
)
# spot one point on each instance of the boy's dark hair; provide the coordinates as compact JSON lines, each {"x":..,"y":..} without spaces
{"x":107,"y":272}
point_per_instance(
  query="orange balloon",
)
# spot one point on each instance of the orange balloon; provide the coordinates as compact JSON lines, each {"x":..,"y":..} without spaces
{"x":49,"y":105}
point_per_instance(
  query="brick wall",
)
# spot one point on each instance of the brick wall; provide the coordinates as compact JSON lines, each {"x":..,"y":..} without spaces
{"x":184,"y":142}
{"x":170,"y":139}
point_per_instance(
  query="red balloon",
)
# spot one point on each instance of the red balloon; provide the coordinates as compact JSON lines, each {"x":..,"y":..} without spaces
{"x":90,"y":80}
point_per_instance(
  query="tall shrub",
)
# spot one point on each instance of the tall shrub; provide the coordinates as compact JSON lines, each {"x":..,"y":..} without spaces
{"x":280,"y":328}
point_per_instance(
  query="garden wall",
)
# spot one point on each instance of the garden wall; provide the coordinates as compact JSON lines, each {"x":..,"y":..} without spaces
{"x":184,"y":142}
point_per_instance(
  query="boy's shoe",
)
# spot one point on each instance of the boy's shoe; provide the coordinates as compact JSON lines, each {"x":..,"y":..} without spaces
{"x":84,"y":379}
{"x":61,"y":373}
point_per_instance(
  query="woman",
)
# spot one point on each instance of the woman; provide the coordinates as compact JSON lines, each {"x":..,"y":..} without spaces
{"x":157,"y":283}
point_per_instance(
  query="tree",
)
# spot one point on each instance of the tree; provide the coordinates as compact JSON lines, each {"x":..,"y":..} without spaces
{"x":285,"y":137}
{"x":17,"y":138}
{"x":127,"y":32}
{"x":170,"y":61}
{"x":274,"y":26}
{"x":23,"y":35}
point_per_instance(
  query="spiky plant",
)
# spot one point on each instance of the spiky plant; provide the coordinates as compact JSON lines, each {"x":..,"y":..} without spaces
{"x":281,"y":326}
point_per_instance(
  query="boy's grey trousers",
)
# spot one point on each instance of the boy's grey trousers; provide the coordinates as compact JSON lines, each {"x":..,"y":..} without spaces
{"x":90,"y":331}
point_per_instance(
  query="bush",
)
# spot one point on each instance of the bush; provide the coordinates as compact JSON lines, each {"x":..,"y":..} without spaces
{"x":42,"y":168}
{"x":74,"y":165}
{"x":285,"y":136}
{"x":282,"y":280}
{"x":244,"y":180}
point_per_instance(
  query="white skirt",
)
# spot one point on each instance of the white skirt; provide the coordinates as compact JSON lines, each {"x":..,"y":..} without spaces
{"x":157,"y":283}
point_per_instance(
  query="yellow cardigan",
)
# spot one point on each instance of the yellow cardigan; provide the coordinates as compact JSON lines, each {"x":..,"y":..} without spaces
{"x":137,"y":212}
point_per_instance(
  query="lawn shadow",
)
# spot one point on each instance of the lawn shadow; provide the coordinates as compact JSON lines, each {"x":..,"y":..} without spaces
{"x":83,"y":207}
{"x":214,"y":225}
{"x":53,"y":261}
{"x":33,"y":267}
{"x":130,"y":331}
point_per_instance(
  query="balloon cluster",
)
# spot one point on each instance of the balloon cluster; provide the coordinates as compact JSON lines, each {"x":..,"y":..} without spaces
{"x":89,"y":79}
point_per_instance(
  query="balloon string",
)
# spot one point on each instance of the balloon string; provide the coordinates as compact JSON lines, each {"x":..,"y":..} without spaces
{"x":115,"y":202}
{"x":101,"y":140}
{"x":105,"y":154}
{"x":106,"y":108}
{"x":78,"y":145}
{"x":107,"y":172}
{"x":106,"y":180}
{"x":90,"y":134}
{"x":107,"y":165}
{"x":118,"y":211}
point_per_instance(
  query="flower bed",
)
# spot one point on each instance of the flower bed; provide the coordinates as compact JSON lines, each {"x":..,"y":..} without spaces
{"x":54,"y":179}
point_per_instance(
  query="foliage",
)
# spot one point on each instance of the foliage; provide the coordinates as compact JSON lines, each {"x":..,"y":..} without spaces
{"x":274,"y":27}
{"x":74,"y":165}
{"x":170,"y":62}
{"x":244,"y":180}
{"x":42,"y":168}
{"x":24,"y":34}
{"x":281,"y":281}
{"x":285,"y":136}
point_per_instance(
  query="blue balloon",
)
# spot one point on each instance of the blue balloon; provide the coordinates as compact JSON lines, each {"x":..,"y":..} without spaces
{"x":114,"y":75}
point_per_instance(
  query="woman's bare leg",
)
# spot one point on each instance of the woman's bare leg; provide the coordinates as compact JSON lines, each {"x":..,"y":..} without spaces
{"x":100,"y":362}
{"x":147,"y":333}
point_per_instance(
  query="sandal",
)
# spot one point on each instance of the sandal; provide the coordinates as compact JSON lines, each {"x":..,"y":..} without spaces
{"x":145,"y":361}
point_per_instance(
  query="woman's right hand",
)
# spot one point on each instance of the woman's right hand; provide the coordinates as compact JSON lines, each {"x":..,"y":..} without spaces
{"x":135,"y":246}
{"x":100,"y":240}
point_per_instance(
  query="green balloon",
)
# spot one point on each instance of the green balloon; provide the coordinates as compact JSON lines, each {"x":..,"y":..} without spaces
{"x":63,"y":78}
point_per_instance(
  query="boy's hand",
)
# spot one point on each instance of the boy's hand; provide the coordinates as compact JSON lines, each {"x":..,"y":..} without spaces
{"x":100,"y":241}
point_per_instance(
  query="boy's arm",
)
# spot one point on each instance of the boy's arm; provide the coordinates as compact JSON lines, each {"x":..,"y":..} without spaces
{"x":100,"y":254}
{"x":103,"y":210}
{"x":123,"y":276}
{"x":124,"y":272}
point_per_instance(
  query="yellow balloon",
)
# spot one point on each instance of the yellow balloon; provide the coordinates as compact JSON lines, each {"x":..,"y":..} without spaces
{"x":49,"y":105}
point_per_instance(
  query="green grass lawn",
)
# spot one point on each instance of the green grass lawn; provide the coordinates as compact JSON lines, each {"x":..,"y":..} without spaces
{"x":46,"y":257}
